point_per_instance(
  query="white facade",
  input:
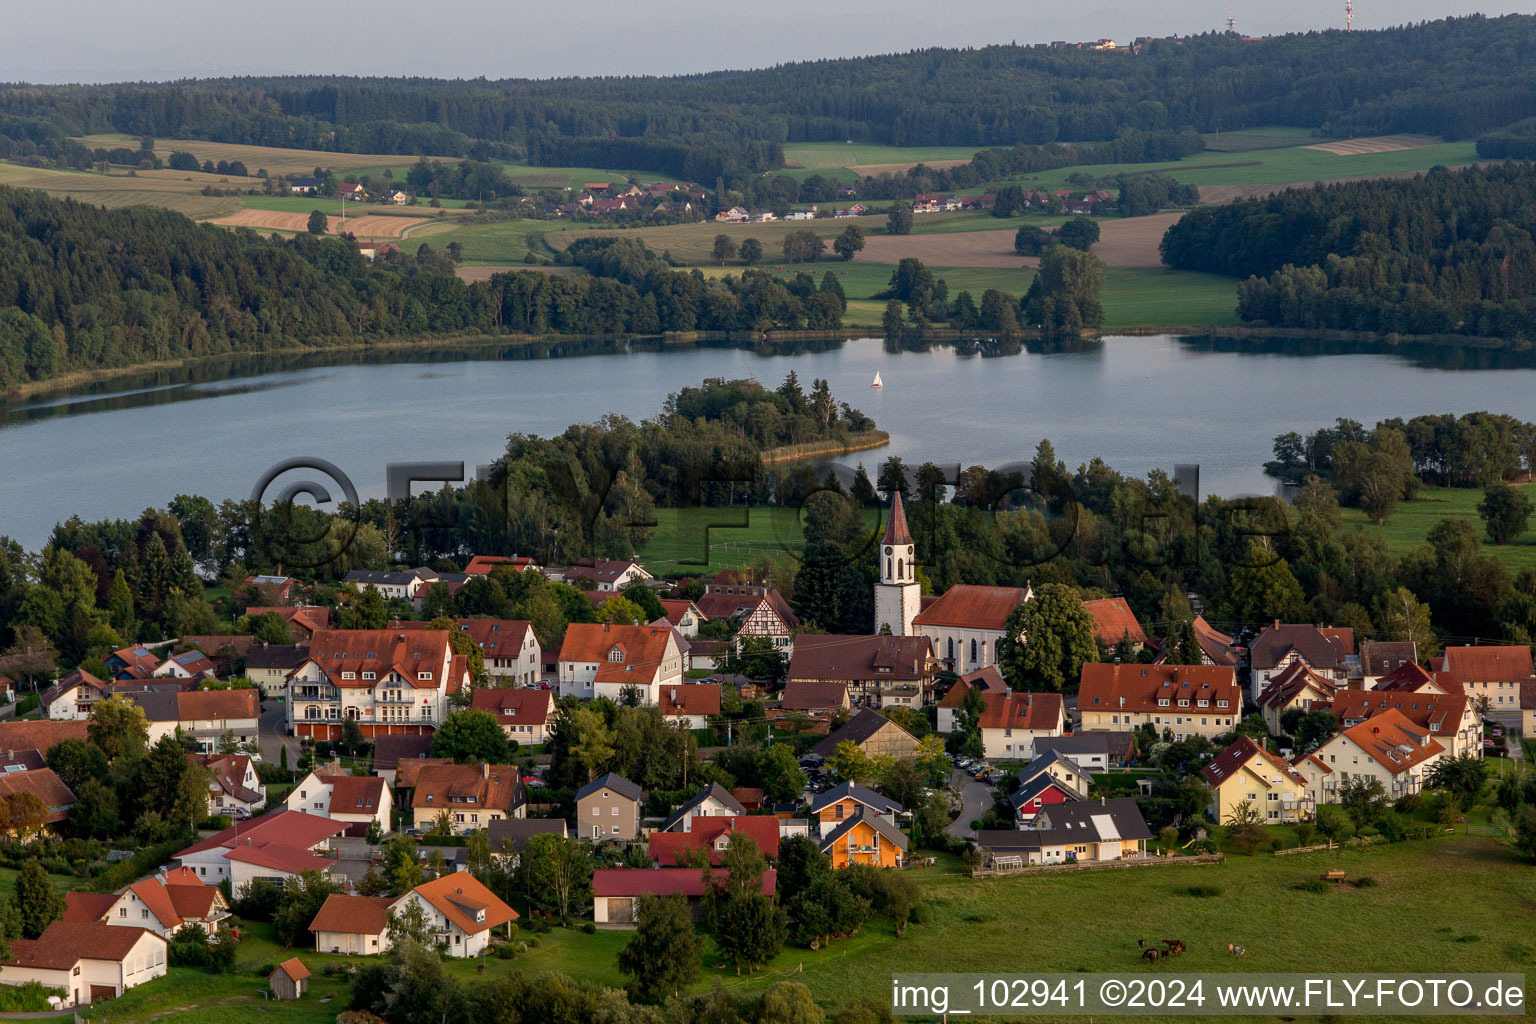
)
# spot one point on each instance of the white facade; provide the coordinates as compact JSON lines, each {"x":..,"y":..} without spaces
{"x":456,"y":941}
{"x":1347,"y":759}
{"x":964,"y":649}
{"x":315,"y":795}
{"x":898,"y":593}
{"x":145,"y":962}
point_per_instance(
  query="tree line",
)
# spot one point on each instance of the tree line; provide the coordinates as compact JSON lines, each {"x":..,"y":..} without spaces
{"x":1449,"y":252}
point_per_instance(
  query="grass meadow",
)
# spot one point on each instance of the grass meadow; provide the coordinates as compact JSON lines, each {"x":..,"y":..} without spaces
{"x":1410,"y":524}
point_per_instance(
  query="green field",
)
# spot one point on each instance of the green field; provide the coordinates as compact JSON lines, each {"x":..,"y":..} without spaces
{"x":1411,"y":522}
{"x":1247,"y":139}
{"x":813,"y":155}
{"x":703,"y":541}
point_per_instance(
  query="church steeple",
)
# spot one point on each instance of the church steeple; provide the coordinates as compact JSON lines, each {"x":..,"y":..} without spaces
{"x":897,"y":593}
{"x":896,"y":531}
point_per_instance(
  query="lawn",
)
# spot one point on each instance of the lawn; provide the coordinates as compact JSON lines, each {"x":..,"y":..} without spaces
{"x":190,"y":996}
{"x":838,"y":154}
{"x":169,"y":189}
{"x":1411,"y":522}
{"x":506,"y":242}
{"x":703,"y":541}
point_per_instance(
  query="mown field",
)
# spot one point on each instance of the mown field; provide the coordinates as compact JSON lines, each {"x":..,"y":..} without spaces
{"x":274,"y":160}
{"x":1410,"y":524}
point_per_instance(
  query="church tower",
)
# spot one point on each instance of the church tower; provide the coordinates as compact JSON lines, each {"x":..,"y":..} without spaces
{"x":897,"y":593}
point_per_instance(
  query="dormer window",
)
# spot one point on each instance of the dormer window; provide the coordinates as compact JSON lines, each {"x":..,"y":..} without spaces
{"x":1221,"y":703}
{"x":426,"y":676}
{"x":349,"y":675}
{"x":370,"y":675}
{"x":1162,"y":702}
{"x":1183,"y":702}
{"x":615,"y":654}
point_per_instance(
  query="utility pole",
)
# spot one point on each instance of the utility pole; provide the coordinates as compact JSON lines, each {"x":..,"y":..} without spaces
{"x":1232,"y":22}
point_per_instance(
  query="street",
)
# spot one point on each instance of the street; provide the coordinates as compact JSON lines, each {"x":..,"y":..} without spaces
{"x":274,"y":715}
{"x":977,"y":800}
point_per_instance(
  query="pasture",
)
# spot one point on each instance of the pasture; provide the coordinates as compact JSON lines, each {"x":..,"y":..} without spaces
{"x":174,"y":190}
{"x":815,"y":155}
{"x":287,"y":162}
{"x":1409,"y":525}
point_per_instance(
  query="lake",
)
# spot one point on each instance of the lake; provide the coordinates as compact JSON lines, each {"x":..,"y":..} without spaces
{"x":1139,"y":403}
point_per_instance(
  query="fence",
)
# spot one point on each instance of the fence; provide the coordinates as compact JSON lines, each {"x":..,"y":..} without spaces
{"x":1109,"y":865}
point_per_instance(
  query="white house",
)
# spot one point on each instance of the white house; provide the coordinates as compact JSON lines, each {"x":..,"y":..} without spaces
{"x":601,"y":574}
{"x":524,"y":715}
{"x":387,"y":681}
{"x":72,"y":697}
{"x":352,"y":925}
{"x":273,"y":846}
{"x":165,"y":904}
{"x":233,"y":784}
{"x":1386,"y":747}
{"x":712,"y":801}
{"x":604,"y":660}
{"x":392,"y":585}
{"x":88,"y":961}
{"x":187,"y":665}
{"x":461,"y":911}
{"x":343,"y":798}
{"x":1013,"y":721}
{"x":966,"y":623}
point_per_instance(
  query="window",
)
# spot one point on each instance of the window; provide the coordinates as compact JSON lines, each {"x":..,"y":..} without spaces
{"x":615,"y":810}
{"x":973,"y":648}
{"x":370,"y":675}
{"x":1162,"y":702}
{"x":349,"y":675}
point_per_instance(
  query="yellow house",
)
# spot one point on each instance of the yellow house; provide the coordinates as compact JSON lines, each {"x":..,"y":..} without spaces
{"x":1247,"y":773}
{"x":865,"y":840}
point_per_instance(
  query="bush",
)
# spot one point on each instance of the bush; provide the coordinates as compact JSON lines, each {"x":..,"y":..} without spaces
{"x":1315,"y":886}
{"x":1204,"y":892}
{"x":589,"y":928}
{"x":29,"y":997}
{"x":1365,"y":882}
{"x":505,"y":951}
{"x":26,"y":705}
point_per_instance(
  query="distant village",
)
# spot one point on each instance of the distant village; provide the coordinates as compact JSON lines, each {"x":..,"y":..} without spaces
{"x":362,"y":714}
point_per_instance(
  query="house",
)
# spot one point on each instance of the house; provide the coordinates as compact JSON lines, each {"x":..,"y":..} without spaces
{"x":878,"y":671}
{"x":604,"y":660}
{"x":812,"y":696}
{"x":42,"y":734}
{"x":354,"y":191}
{"x":683,"y":614}
{"x":524,"y":715}
{"x":408,"y":771}
{"x":1528,"y":707}
{"x":271,"y":590}
{"x":608,"y":807}
{"x":164,"y":903}
{"x":752,"y":609}
{"x":303,"y":186}
{"x":87,"y":961}
{"x":691,"y":705}
{"x":402,"y":586}
{"x":208,"y":716}
{"x":804,"y":213}
{"x":712,"y":835}
{"x":349,"y":925}
{"x":762,"y":216}
{"x":390,"y":750}
{"x":72,"y":697}
{"x":1037,"y":794}
{"x":1491,"y":674}
{"x":472,"y":796}
{"x":750,"y":797}
{"x":1247,"y":774}
{"x":1386,"y":747}
{"x":1294,"y":688}
{"x":270,"y":665}
{"x":1058,"y":766}
{"x":275,"y":846}
{"x":351,"y":799}
{"x":1073,"y":832}
{"x":735,"y":215}
{"x":614,"y":890}
{"x":302,"y":620}
{"x":234,"y":787}
{"x":1011,"y":722}
{"x":131,"y":663}
{"x":966,"y":623}
{"x":508,"y":836}
{"x":849,"y":799}
{"x":1412,"y":678}
{"x":1322,"y":782}
{"x":289,"y":980}
{"x":1092,"y":751}
{"x":188,"y":665}
{"x":865,"y":839}
{"x":511,"y":649}
{"x":1325,"y":651}
{"x":57,"y":799}
{"x":872,"y":732}
{"x":712,"y":801}
{"x":481,"y":565}
{"x":1113,"y":621}
{"x":989,"y":679}
{"x":461,"y":911}
{"x":396,"y":198}
{"x":385,"y":680}
{"x":1380,"y":658}
{"x":1181,"y":700}
{"x":602,"y":573}
{"x":1216,"y":648}
{"x":1450,"y":719}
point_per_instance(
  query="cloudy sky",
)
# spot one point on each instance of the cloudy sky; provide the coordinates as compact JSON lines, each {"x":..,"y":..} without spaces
{"x":97,"y":40}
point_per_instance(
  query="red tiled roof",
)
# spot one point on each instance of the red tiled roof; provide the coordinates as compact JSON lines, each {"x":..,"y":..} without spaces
{"x":193,"y":902}
{"x":1022,"y":711}
{"x":1141,"y":686}
{"x":1322,"y":648}
{"x":279,"y":857}
{"x":1226,"y":764}
{"x":136,"y":657}
{"x":1293,"y":681}
{"x":353,"y":915}
{"x":46,"y":786}
{"x":1393,"y":741}
{"x":41,"y":734}
{"x":157,"y":901}
{"x":407,"y":769}
{"x":356,"y":794}
{"x":641,"y":648}
{"x":469,"y":787}
{"x":457,"y":896}
{"x":896,"y":531}
{"x":661,"y":882}
{"x":65,"y":943}
{"x":1441,"y":715}
{"x":1409,"y":676}
{"x":861,"y":658}
{"x":972,"y":607}
{"x":295,"y":968}
{"x":307,"y":617}
{"x":202,"y":705}
{"x":515,"y":707}
{"x":1214,"y":644}
{"x":814,"y":695}
{"x":410,"y":653}
{"x":84,"y":907}
{"x":1112,"y":620}
{"x":705,"y":831}
{"x":499,"y":638}
{"x":481,"y":565}
{"x":1489,"y":664}
{"x":676,"y":608}
{"x":290,"y":828}
{"x":690,"y":699}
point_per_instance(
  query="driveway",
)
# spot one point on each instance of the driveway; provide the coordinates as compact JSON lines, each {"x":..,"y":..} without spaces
{"x":977,"y":800}
{"x":271,"y":733}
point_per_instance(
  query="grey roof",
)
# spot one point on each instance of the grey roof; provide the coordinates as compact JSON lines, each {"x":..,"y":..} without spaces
{"x":1037,"y":785}
{"x":518,"y":831}
{"x":618,"y":783}
{"x":159,"y":704}
{"x":1076,"y":743}
{"x":857,"y":729}
{"x":999,"y":839}
{"x":715,"y":790}
{"x":863,"y":795}
{"x":885,"y":828}
{"x":1044,"y":761}
{"x":398,"y":579}
{"x":277,"y":656}
{"x":1119,"y":818}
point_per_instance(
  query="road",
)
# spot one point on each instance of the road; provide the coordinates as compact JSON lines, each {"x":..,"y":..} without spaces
{"x":271,"y":733}
{"x":977,"y":800}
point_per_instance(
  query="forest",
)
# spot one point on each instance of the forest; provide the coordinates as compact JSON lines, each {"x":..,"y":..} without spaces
{"x":1458,"y":78}
{"x":1450,"y":252}
{"x":74,"y":297}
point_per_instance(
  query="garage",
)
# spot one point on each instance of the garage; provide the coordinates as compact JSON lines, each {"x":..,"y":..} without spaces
{"x":621,"y":910}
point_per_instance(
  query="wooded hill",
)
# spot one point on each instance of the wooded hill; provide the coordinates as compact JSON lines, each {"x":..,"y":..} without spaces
{"x":1456,"y":78}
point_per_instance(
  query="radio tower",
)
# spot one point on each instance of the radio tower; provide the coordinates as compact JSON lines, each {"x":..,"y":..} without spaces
{"x":1349,"y":15}
{"x":1231,"y":22}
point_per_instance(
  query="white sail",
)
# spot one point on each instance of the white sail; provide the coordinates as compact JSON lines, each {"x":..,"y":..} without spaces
{"x":877,"y":383}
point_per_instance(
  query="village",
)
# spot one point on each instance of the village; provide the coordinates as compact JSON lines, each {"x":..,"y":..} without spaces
{"x":424,"y":756}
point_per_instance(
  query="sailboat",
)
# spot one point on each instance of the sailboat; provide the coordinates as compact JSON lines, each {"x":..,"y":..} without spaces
{"x":877,"y":383}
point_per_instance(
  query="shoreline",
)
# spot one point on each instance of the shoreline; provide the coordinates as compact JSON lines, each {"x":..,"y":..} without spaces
{"x":860,"y":442}
{"x":76,"y":381}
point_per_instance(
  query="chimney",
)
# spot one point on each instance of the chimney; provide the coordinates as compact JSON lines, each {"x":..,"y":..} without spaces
{"x":485,"y":770}
{"x":1103,"y":802}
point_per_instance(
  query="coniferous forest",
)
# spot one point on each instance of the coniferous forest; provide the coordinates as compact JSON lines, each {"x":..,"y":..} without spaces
{"x":1450,"y":252}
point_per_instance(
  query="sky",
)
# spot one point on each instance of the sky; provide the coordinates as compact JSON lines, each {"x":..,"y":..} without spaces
{"x":98,"y":40}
